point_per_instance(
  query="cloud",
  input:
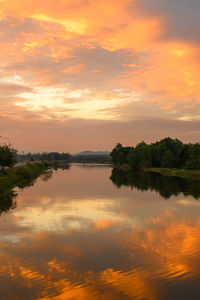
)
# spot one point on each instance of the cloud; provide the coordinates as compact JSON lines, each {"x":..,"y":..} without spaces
{"x":9,"y":89}
{"x":133,"y":59}
{"x":181,"y":18}
{"x":82,"y":66}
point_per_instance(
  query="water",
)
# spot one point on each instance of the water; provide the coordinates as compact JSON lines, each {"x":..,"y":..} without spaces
{"x":80,"y":235}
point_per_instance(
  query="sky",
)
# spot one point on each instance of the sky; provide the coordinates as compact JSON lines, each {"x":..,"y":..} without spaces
{"x":86,"y":74}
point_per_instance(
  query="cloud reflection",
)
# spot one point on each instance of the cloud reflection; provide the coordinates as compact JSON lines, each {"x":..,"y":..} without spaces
{"x":92,"y":242}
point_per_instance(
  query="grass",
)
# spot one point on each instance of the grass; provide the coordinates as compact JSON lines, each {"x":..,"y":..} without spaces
{"x":181,"y":173}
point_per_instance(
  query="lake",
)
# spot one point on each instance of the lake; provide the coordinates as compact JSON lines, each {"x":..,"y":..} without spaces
{"x":90,"y":232}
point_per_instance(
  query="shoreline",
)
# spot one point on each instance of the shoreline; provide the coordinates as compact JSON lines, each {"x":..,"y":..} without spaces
{"x":22,"y":175}
{"x":169,"y":172}
{"x":172,"y":172}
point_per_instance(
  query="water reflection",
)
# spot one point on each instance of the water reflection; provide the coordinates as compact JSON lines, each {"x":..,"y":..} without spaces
{"x":7,"y":199}
{"x":47,"y":175}
{"x":61,"y":165}
{"x":8,"y":193}
{"x":165,"y":186}
{"x":76,"y":236}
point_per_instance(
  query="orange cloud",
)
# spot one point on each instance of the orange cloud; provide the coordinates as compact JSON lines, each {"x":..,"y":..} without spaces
{"x":103,"y":224}
{"x":125,"y":50}
{"x":170,"y":75}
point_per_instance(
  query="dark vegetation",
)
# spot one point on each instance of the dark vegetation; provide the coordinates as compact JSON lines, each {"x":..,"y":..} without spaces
{"x":21,"y":177}
{"x":182,"y":173}
{"x":143,"y":167}
{"x":8,"y":156}
{"x":98,"y":159}
{"x":167,"y":153}
{"x":164,"y":185}
{"x":64,"y":157}
{"x":46,"y":156}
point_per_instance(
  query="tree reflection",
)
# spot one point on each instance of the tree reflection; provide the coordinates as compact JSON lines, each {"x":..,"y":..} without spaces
{"x":61,"y":165}
{"x":7,"y":200}
{"x":164,"y":185}
{"x":47,"y":175}
{"x":20,"y":177}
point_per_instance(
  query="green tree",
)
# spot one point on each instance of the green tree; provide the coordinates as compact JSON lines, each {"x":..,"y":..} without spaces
{"x":167,"y":153}
{"x":168,"y":160}
{"x":7,"y":156}
{"x":119,"y":154}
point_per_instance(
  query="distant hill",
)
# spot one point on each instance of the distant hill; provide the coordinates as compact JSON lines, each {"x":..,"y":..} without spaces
{"x":96,"y":153}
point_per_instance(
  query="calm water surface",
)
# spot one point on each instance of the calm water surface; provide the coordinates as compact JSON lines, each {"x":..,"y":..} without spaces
{"x":80,"y":235}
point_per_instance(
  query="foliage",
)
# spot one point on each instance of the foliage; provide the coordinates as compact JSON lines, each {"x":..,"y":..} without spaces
{"x":119,"y":154}
{"x":7,"y":156}
{"x":167,"y":153}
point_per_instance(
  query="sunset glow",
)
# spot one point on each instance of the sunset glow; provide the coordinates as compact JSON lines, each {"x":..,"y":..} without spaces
{"x":74,"y":72}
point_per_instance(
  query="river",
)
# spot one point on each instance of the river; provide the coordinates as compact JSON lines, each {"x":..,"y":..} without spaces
{"x":80,"y":234}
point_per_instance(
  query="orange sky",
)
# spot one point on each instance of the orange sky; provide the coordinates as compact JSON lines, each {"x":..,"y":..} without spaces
{"x":86,"y":74}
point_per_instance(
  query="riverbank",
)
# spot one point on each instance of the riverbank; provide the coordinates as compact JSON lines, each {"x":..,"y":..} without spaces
{"x":181,"y":173}
{"x":170,"y":172}
{"x":21,"y":176}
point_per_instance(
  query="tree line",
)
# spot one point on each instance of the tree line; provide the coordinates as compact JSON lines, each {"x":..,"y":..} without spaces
{"x":9,"y":156}
{"x":46,"y":156}
{"x":65,"y":156}
{"x":166,"y":153}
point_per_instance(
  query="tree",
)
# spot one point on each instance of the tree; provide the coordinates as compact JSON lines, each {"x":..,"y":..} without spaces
{"x":7,"y":156}
{"x":119,"y":154}
{"x":166,"y":153}
{"x":168,"y":160}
